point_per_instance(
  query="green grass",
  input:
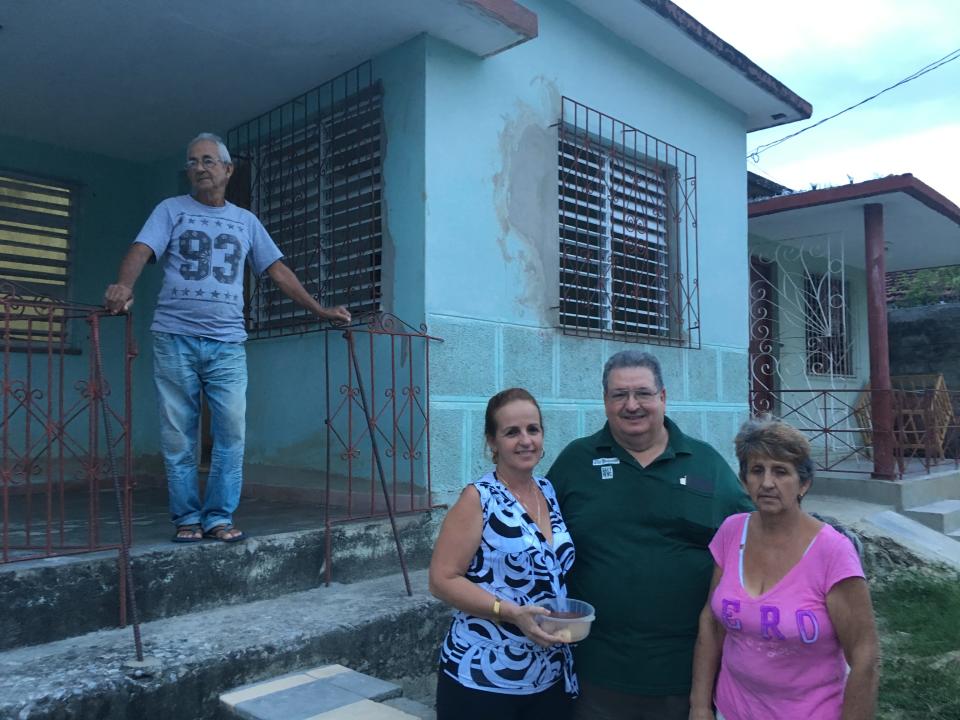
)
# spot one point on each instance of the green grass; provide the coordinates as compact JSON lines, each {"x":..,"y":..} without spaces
{"x":919,"y":622}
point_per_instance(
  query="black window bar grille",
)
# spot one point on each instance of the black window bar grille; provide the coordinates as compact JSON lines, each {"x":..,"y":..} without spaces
{"x":627,"y":232}
{"x":311,"y":170}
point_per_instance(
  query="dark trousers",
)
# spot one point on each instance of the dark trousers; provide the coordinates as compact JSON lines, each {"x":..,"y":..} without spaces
{"x":456,"y":702}
{"x":600,"y":703}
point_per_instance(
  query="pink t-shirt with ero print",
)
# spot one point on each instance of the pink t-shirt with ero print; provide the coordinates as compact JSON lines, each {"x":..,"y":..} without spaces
{"x":781,"y":656}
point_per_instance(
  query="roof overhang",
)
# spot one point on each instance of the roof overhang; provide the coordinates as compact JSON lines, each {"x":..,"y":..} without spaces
{"x":677,"y":39}
{"x":921,"y":226}
{"x":137,"y":79}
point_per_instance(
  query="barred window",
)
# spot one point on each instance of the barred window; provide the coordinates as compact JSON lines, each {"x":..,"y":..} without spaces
{"x":313,"y":169}
{"x":826,"y":321}
{"x":627,"y":232}
{"x":36,"y":226}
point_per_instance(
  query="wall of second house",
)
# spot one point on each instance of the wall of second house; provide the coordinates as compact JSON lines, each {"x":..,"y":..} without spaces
{"x":491,"y":237}
{"x":111,"y":205}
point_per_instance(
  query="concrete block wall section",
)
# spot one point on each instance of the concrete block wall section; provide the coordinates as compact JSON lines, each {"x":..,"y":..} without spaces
{"x":48,"y":600}
{"x":706,"y":390}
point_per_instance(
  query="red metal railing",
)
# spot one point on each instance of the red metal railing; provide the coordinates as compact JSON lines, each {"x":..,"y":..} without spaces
{"x":838,"y":423}
{"x":54,"y":436}
{"x":377,"y":421}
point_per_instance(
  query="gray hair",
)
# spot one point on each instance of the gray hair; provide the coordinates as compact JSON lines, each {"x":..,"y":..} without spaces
{"x":631,"y":359}
{"x":221,"y":146}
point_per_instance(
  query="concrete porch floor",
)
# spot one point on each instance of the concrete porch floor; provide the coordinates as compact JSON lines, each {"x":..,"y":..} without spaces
{"x":286,"y":504}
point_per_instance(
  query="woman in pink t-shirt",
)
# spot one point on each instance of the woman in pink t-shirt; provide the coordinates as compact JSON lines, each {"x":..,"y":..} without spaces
{"x":788,"y":608}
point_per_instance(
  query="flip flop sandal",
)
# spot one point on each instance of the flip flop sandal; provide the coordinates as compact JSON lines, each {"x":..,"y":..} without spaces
{"x":222,"y":534}
{"x":188,"y":534}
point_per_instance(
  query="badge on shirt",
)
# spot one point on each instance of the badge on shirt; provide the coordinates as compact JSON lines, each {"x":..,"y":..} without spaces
{"x":606,"y":461}
{"x":606,"y":472}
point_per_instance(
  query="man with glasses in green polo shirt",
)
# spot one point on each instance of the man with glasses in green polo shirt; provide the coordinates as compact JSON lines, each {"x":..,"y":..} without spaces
{"x":642,"y":501}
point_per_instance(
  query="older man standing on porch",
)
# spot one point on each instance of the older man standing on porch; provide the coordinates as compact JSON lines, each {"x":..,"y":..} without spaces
{"x":642,"y":501}
{"x":198,"y":332}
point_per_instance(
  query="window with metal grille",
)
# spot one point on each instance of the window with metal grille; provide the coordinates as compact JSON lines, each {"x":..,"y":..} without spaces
{"x":36,"y":226}
{"x":311,"y":169}
{"x":826,"y":320}
{"x":627,"y":232}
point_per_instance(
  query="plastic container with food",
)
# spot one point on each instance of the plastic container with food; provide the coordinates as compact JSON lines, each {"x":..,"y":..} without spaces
{"x":569,"y":619}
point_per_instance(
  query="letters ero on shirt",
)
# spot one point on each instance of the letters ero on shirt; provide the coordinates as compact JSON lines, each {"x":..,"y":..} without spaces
{"x":807,"y":625}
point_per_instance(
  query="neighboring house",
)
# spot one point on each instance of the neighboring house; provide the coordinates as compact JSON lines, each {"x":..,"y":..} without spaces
{"x":759,"y":187}
{"x":541,"y":185}
{"x":926,"y":286}
{"x":818,"y":317}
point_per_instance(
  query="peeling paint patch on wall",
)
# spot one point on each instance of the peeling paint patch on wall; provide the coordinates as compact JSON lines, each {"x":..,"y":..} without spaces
{"x":525,"y":200}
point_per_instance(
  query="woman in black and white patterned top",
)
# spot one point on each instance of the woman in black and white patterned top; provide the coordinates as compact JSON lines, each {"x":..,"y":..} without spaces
{"x":504,"y":547}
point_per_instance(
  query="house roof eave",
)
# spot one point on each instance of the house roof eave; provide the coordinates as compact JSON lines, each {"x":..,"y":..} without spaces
{"x":905,"y":183}
{"x":668,"y":33}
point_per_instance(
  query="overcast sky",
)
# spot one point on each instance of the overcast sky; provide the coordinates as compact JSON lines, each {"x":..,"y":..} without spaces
{"x":834,"y":53}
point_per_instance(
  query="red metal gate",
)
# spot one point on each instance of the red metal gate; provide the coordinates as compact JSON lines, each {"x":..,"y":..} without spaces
{"x":62,"y":426}
{"x":377,"y":421}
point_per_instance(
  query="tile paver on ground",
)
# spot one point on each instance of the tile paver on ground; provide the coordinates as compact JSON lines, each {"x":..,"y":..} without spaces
{"x":328,"y":692}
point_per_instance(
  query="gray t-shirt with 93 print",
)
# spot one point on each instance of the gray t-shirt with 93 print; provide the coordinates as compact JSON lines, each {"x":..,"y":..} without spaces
{"x":202,"y":250}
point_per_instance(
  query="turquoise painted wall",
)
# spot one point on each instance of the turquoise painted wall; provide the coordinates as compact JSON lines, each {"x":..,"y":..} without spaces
{"x":491,"y":236}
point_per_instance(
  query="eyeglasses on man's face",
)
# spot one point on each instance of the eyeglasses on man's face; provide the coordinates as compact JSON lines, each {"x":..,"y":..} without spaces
{"x":207,"y":162}
{"x":644,"y":396}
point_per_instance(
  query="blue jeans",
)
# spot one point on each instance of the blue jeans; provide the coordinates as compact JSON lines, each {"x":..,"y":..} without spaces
{"x":183,"y":368}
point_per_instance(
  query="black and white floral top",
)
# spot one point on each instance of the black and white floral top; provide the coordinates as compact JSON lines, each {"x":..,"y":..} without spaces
{"x":514,"y":562}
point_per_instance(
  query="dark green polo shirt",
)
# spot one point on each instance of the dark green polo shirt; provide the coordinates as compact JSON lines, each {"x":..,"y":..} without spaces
{"x":641,"y":536}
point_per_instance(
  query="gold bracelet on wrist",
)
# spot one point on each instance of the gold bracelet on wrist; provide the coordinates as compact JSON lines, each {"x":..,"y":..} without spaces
{"x":496,"y":610}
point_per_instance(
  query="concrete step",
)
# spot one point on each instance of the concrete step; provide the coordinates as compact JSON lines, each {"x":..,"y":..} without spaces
{"x":920,"y":488}
{"x":942,"y":515}
{"x":955,"y":535}
{"x":371,"y":626}
{"x":57,"y":598}
{"x":942,"y":483}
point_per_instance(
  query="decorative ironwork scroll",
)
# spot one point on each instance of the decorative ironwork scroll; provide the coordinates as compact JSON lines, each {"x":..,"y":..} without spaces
{"x":799,"y":317}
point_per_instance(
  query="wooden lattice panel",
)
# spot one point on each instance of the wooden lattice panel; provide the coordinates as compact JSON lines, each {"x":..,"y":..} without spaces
{"x":922,"y":415}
